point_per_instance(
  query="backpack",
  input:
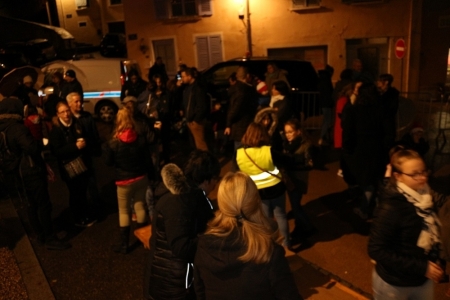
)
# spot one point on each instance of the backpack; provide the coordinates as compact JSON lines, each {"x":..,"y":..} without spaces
{"x":8,"y":159}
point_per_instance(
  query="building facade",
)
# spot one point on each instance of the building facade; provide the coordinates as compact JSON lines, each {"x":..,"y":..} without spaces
{"x":202,"y":32}
{"x":89,"y":20}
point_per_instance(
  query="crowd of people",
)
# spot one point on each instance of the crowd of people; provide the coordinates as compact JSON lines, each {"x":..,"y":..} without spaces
{"x":197,"y":252}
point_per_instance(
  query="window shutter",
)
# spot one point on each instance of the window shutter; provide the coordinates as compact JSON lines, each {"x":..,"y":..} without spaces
{"x":215,"y":48}
{"x":202,"y":52}
{"x":204,"y":8}
{"x":161,"y":11}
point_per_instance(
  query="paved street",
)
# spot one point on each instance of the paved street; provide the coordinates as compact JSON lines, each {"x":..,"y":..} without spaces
{"x":334,"y":266}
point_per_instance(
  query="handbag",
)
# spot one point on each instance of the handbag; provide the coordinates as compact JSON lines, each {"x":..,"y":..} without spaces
{"x":144,"y":234}
{"x":75,"y":167}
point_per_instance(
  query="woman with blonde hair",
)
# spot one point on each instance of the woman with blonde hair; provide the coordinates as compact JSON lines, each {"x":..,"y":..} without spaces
{"x":128,"y":151}
{"x":240,"y":256}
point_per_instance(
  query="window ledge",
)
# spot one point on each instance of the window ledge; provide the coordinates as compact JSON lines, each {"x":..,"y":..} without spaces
{"x":306,"y":8}
{"x":185,"y":19}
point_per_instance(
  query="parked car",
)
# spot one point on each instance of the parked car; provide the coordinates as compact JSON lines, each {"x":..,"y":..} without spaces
{"x":113,"y":45}
{"x":102,"y":81}
{"x":301,"y":75}
{"x":34,"y":52}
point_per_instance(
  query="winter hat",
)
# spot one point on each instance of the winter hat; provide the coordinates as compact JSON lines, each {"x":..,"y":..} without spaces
{"x":71,"y":73}
{"x":27,"y":79}
{"x":128,"y":99}
{"x":11,"y":106}
{"x":261,"y":87}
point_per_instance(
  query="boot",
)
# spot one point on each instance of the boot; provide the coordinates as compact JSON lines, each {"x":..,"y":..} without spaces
{"x":122,"y":246}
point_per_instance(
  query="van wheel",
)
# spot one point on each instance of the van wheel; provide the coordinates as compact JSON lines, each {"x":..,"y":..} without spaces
{"x":106,"y":113}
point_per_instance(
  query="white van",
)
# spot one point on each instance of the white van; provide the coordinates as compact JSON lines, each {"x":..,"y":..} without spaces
{"x":101,"y":79}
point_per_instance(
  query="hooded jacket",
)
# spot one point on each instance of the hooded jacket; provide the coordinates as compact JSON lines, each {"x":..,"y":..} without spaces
{"x":179,"y":216}
{"x":393,"y":239}
{"x":128,"y":153}
{"x":219,"y":274}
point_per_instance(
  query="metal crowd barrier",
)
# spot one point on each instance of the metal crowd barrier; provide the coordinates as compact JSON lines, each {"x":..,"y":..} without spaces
{"x":307,"y":104}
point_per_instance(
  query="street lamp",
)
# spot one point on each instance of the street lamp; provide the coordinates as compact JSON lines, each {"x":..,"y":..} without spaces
{"x":241,"y":12}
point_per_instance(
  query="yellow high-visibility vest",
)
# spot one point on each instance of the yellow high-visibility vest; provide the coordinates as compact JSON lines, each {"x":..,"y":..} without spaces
{"x":262,"y":157}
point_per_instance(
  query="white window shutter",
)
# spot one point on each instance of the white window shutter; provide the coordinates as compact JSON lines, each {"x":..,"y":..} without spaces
{"x":202,"y":52}
{"x":204,"y":8}
{"x":161,"y":9}
{"x":215,"y":49}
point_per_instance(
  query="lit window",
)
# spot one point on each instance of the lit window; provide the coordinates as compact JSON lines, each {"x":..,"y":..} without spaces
{"x":299,"y":4}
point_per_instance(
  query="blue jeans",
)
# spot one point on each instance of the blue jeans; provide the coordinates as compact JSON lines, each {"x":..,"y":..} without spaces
{"x":384,"y":291}
{"x":277,"y":207}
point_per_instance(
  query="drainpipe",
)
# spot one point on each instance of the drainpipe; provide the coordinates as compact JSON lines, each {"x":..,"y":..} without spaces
{"x":249,"y":31}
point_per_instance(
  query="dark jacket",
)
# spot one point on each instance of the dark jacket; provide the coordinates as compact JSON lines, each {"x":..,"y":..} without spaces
{"x":18,"y":137}
{"x":71,"y":87}
{"x":179,"y":216}
{"x":128,"y":153}
{"x":242,"y":109}
{"x":285,"y":111}
{"x":63,"y":141}
{"x":133,"y":89}
{"x":300,"y":151}
{"x":389,"y":101}
{"x":91,"y":135}
{"x":325,"y":87}
{"x":219,"y":274}
{"x":195,"y":103}
{"x":362,"y":143}
{"x":393,"y":239}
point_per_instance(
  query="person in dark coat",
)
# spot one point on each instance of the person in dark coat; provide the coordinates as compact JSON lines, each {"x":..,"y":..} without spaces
{"x":26,"y":89}
{"x":345,"y":80}
{"x":29,"y":164}
{"x":134,"y":86}
{"x":242,"y":107}
{"x":405,"y":239}
{"x":179,"y":216}
{"x":240,"y":256}
{"x":268,"y":117}
{"x":195,"y":107}
{"x":284,"y":107}
{"x":298,"y":146}
{"x":325,"y":87}
{"x":93,"y":143}
{"x":158,"y":68}
{"x":67,"y":142}
{"x":362,"y":144}
{"x":57,"y":83}
{"x":389,"y":99}
{"x":71,"y":85}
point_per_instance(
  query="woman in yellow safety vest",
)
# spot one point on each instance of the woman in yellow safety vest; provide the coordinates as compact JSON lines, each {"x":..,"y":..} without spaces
{"x":257,"y":159}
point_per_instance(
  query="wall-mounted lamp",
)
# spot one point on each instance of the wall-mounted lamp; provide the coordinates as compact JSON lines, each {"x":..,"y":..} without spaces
{"x":241,"y":12}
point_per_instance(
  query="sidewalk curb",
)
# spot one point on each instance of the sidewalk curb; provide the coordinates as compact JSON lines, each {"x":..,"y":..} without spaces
{"x":32,"y":274}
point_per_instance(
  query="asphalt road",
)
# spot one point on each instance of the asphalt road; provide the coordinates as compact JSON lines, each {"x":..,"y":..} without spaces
{"x":90,"y":270}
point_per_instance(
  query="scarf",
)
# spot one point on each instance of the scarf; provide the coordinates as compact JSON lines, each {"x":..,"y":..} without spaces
{"x":423,"y":203}
{"x":274,"y":99}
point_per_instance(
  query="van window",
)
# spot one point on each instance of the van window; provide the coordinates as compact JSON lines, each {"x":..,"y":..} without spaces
{"x":222,"y":74}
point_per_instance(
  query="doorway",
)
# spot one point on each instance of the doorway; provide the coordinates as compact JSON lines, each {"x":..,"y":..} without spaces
{"x":165,"y":49}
